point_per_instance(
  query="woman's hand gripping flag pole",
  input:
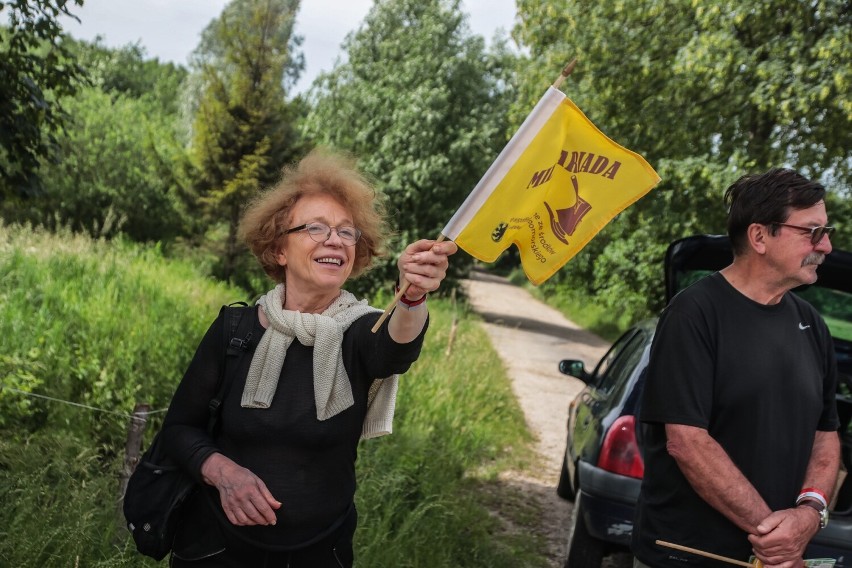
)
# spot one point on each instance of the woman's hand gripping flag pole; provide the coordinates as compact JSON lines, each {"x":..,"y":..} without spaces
{"x":403,"y":286}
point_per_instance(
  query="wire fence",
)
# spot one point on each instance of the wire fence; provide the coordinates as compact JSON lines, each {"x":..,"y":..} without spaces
{"x":143,"y":415}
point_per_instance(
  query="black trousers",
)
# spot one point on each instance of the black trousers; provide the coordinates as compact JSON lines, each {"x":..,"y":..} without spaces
{"x":334,"y":551}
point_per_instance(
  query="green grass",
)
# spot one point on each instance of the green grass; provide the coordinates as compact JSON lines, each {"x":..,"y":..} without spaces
{"x":102,"y":324}
{"x":98,"y":324}
{"x":421,"y":489}
{"x":108,"y":324}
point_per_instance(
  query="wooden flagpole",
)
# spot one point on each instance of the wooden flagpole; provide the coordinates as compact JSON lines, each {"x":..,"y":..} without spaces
{"x":757,"y":563}
{"x":403,"y":286}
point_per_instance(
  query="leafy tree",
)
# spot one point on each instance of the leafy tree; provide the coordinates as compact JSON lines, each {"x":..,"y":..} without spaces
{"x":243,"y":126}
{"x":706,"y":91}
{"x":35,"y":69}
{"x":120,"y":159}
{"x":422,"y":105}
{"x":118,"y":172}
{"x":129,"y":71}
{"x":756,"y":83}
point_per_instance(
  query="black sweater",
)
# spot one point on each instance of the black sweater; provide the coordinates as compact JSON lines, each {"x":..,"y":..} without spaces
{"x":307,"y":464}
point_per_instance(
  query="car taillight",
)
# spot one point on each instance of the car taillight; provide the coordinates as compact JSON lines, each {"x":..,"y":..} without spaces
{"x":620,"y":450}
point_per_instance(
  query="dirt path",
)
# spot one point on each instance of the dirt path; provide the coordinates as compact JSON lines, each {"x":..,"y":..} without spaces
{"x":530,"y":338}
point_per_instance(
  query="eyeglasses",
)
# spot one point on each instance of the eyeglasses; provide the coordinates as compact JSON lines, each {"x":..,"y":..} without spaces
{"x":817,"y":233}
{"x":320,"y":232}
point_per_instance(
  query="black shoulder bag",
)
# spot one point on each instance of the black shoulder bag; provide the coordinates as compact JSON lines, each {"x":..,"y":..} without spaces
{"x":158,"y":486}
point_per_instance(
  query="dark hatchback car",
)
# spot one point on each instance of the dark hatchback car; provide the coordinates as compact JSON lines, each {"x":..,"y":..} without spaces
{"x":602,"y":468}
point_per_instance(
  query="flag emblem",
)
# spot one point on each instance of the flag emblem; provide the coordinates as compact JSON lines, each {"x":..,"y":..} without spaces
{"x":565,"y":221}
{"x":498,"y":232}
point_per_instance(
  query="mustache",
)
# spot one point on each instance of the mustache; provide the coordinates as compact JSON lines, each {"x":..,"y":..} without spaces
{"x":816,"y":258}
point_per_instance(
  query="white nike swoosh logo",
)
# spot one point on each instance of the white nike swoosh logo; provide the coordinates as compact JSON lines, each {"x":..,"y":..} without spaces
{"x":803,"y":326}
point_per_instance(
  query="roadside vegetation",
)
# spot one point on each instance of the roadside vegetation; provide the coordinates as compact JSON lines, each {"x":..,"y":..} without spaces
{"x":153,"y":161}
{"x":102,"y":325}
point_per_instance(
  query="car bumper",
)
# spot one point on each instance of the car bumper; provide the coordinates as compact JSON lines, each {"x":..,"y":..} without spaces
{"x":834,"y":541}
{"x":609,"y":500}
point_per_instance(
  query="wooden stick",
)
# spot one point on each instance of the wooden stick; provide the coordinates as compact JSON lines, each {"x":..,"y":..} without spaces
{"x":403,"y":286}
{"x":567,"y":70}
{"x":709,"y":554}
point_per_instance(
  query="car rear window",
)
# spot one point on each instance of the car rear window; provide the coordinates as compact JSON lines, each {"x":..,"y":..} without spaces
{"x":619,"y":363}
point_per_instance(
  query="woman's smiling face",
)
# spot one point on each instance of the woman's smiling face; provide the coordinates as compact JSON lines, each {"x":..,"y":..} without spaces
{"x":312,"y":267}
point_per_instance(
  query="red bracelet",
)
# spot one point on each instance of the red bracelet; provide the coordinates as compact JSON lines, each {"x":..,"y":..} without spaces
{"x":813,"y":493}
{"x":409,"y":304}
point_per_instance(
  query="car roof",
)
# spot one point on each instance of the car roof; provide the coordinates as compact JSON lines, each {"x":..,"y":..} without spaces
{"x":701,"y":253}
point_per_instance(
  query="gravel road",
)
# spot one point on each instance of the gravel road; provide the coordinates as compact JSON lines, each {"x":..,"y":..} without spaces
{"x":530,"y":338}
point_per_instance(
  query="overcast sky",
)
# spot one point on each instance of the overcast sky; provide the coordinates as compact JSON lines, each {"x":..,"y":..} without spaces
{"x":170,"y":29}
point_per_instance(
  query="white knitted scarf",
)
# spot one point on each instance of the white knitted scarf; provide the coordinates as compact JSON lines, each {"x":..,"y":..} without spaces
{"x":332,"y":390}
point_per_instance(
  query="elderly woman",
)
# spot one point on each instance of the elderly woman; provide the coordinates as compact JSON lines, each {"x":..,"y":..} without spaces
{"x":279,"y":476}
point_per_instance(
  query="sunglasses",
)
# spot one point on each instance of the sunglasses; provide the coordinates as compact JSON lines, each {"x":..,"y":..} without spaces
{"x":817,"y":233}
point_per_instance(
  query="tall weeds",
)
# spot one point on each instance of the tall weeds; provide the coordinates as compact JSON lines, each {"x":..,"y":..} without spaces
{"x":418,"y":495}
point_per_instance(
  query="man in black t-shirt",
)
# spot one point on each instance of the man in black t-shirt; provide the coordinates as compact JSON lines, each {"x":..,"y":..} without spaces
{"x":738,"y":410}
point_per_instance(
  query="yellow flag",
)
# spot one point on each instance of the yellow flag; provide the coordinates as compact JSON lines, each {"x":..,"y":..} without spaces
{"x":557,"y":182}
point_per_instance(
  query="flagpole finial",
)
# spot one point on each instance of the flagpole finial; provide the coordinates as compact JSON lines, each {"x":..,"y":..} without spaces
{"x":567,"y":70}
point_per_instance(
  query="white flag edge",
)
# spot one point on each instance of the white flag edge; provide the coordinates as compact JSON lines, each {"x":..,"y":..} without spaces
{"x":498,"y":169}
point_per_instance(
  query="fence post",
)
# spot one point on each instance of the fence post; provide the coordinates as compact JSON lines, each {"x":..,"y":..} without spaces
{"x":132,"y":451}
{"x":453,"y":326}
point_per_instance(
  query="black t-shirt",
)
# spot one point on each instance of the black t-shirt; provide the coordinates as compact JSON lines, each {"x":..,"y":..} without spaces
{"x":761,"y":380}
{"x":307,"y":464}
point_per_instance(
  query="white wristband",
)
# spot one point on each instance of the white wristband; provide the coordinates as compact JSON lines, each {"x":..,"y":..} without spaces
{"x":811,"y":495}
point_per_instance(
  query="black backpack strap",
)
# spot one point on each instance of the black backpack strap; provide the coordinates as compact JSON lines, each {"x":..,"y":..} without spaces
{"x":237,"y":341}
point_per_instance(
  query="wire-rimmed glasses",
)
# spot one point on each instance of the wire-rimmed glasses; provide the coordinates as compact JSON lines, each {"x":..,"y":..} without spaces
{"x":320,"y":232}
